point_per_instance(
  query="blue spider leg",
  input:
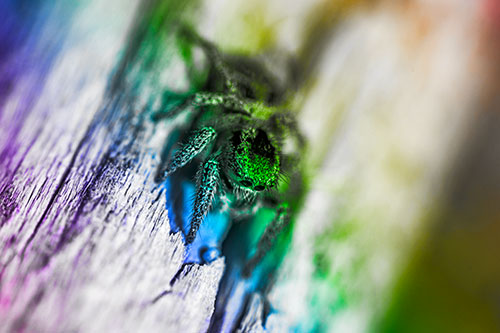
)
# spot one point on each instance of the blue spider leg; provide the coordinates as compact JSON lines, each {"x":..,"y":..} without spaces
{"x":207,"y":182}
{"x":266,"y":241}
{"x":195,"y":145}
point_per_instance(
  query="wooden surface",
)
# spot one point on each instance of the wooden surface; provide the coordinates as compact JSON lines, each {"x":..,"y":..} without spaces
{"x":86,"y":244}
{"x":85,"y":236}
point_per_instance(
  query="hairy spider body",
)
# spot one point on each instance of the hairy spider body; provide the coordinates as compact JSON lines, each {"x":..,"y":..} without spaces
{"x":237,"y":137}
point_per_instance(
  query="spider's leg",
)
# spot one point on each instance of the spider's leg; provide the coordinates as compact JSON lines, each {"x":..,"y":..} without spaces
{"x":233,"y":104}
{"x":208,"y":179}
{"x":228,"y":101}
{"x":286,"y":123}
{"x":266,"y":241}
{"x":213,"y":54}
{"x":172,"y":104}
{"x":195,"y":145}
{"x":171,"y":113}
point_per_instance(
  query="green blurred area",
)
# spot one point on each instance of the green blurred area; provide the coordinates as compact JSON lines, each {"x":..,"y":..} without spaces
{"x":452,"y":283}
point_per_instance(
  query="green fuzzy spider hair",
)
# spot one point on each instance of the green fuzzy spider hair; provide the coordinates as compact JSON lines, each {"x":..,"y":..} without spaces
{"x":255,"y":160}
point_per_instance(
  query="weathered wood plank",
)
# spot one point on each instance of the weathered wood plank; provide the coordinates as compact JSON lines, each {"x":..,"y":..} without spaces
{"x":85,"y":234}
{"x":86,"y":241}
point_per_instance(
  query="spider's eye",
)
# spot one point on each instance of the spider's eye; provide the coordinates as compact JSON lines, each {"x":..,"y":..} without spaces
{"x":262,"y":145}
{"x":259,"y":188}
{"x":246,"y":183}
{"x":248,"y":92}
{"x":236,"y":139}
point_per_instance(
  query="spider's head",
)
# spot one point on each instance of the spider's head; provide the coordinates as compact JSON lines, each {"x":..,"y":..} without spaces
{"x":255,"y":161}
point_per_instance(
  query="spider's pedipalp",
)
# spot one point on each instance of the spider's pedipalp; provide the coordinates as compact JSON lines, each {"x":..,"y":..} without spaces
{"x":196,"y":143}
{"x":208,"y":179}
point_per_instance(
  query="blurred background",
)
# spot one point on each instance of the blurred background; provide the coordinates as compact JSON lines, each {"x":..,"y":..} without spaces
{"x":400,"y":105}
{"x":400,"y":231}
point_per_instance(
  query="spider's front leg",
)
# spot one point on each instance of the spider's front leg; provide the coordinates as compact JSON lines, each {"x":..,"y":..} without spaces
{"x":207,"y":182}
{"x":266,"y":241}
{"x":196,"y":143}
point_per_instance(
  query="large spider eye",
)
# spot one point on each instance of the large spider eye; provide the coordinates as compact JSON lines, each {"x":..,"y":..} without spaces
{"x":236,"y":139}
{"x":246,"y":183}
{"x":248,"y":92}
{"x":259,"y":188}
{"x":262,"y":145}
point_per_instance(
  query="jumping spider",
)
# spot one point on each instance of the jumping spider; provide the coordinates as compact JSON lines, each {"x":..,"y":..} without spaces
{"x":239,"y":135}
